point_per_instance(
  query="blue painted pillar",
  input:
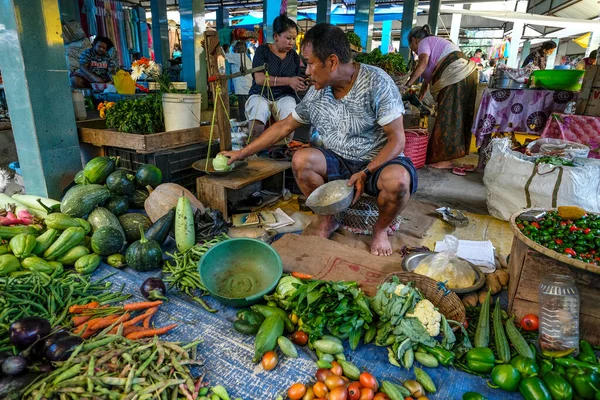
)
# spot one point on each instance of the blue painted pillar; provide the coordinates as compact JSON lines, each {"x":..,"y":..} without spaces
{"x":409,"y":16}
{"x":143,"y":30}
{"x":363,"y":22}
{"x":160,"y":32}
{"x":323,"y":11}
{"x":386,"y":36}
{"x":434,"y":13}
{"x":69,"y":10}
{"x":222,"y":17}
{"x":271,"y":10}
{"x":192,"y":14}
{"x":32,"y":59}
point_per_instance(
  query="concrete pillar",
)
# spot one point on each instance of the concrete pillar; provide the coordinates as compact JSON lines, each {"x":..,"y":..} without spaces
{"x":69,"y":11}
{"x":193,"y":24}
{"x":434,"y":13}
{"x":271,"y":10}
{"x":409,"y":16}
{"x":323,"y":11}
{"x":524,"y":52}
{"x":363,"y":22}
{"x":160,"y":31}
{"x":32,"y":59}
{"x":552,"y":58}
{"x":290,"y":7}
{"x":386,"y":36}
{"x":222,"y":17}
{"x":143,"y":29}
{"x":455,"y":27}
{"x":515,"y":40}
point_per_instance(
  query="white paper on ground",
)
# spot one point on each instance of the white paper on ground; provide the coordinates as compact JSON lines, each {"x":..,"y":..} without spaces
{"x":480,"y":253}
{"x":282,"y":219}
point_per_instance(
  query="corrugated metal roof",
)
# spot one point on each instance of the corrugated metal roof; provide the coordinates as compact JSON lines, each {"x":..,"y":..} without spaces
{"x":582,"y":9}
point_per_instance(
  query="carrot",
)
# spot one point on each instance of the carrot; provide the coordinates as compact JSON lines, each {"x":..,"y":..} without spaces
{"x":80,"y":328}
{"x":89,"y":333}
{"x":131,"y":329}
{"x":80,"y":319}
{"x":301,"y":275}
{"x":150,"y":332}
{"x":135,"y":320}
{"x":101,"y":323}
{"x":146,"y":323}
{"x":142,"y":305}
{"x":78,"y":309}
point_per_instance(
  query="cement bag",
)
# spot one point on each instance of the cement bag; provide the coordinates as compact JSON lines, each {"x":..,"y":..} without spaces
{"x":557,"y":147}
{"x":514,"y":182}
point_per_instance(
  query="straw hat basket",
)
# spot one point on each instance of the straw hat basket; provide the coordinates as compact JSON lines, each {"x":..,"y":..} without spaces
{"x":448,"y":304}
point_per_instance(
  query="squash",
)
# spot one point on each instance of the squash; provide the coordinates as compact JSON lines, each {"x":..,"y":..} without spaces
{"x":82,"y":199}
{"x":131,"y":223}
{"x":120,"y":182}
{"x":159,"y":231}
{"x":148,"y":175}
{"x":80,"y":178}
{"x":118,"y":205}
{"x":100,"y":217}
{"x":144,"y":255}
{"x":107,"y":240}
{"x":99,"y":168}
{"x":165,"y":197}
{"x":138,"y":198}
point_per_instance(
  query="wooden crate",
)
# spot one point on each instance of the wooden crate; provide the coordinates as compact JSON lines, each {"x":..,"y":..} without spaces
{"x":95,"y":132}
{"x":527,"y":268}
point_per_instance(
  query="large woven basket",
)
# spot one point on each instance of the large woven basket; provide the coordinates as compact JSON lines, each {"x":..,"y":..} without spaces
{"x":448,"y":304}
{"x":416,"y":145}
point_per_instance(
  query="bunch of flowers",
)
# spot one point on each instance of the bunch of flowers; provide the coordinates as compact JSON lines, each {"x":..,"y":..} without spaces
{"x":102,"y":107}
{"x":144,"y":66}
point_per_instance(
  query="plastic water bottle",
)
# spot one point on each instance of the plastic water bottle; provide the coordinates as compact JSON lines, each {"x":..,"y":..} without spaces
{"x":559,"y":316}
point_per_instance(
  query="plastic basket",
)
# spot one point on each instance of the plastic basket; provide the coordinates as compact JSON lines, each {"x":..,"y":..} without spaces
{"x":558,"y":79}
{"x":416,"y":146}
{"x":360,"y":217}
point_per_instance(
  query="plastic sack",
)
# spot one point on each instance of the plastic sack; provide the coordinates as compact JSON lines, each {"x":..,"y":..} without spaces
{"x":557,"y":147}
{"x":124,"y":83}
{"x":209,"y":224}
{"x":447,"y":267}
{"x":514,"y":182}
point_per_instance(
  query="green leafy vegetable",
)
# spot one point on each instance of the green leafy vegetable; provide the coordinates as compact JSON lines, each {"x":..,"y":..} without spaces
{"x":392,"y":63}
{"x":354,"y":39}
{"x":142,"y":115}
{"x":220,"y":163}
{"x":553,"y":160}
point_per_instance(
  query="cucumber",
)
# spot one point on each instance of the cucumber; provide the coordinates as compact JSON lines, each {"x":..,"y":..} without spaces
{"x":324,"y":364}
{"x":71,"y":256}
{"x":327,"y":357}
{"x":328,"y":346}
{"x":287,"y":347}
{"x":266,"y":338}
{"x":427,"y":360}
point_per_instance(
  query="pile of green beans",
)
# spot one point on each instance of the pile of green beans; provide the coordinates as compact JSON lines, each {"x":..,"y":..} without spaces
{"x":182,"y":270}
{"x":113,"y":367}
{"x":31,"y":295}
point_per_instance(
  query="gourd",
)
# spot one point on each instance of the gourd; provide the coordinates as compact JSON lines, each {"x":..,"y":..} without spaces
{"x":144,"y":255}
{"x":121,"y":182}
{"x":82,"y":199}
{"x":138,"y":198}
{"x":148,"y":175}
{"x":165,"y":197}
{"x":118,"y":205}
{"x":99,"y":168}
{"x":100,"y":217}
{"x":131,"y":223}
{"x":107,"y":240}
{"x":159,"y":231}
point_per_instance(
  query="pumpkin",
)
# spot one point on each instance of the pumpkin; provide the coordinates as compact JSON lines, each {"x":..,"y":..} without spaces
{"x":165,"y":197}
{"x":144,"y":255}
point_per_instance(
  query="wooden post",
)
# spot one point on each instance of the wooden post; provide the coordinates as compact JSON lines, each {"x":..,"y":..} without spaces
{"x":213,"y":52}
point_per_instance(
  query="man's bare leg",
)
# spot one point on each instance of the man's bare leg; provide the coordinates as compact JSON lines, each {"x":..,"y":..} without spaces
{"x":394,"y":186}
{"x":310,"y":170}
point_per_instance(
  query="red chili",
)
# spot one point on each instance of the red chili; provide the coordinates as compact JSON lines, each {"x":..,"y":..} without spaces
{"x":596,"y":258}
{"x":586,"y":231}
{"x":563,"y":223}
{"x":558,"y":241}
{"x":521,"y":226}
{"x":573,"y":228}
{"x":570,"y":252}
{"x":535,"y":225}
{"x":593,"y":251}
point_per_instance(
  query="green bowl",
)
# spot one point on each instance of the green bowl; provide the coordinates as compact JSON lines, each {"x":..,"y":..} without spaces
{"x":558,"y":79}
{"x":239,"y":272}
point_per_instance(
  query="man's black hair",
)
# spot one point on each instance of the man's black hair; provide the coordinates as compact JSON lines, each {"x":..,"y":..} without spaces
{"x":282,"y":24}
{"x":327,"y":39}
{"x":105,"y":40}
{"x":478,"y":51}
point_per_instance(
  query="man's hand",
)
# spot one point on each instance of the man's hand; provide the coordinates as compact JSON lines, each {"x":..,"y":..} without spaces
{"x":233,"y":155}
{"x":358,"y":181}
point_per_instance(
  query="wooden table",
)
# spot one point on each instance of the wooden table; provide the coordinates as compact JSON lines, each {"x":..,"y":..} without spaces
{"x":214,"y":190}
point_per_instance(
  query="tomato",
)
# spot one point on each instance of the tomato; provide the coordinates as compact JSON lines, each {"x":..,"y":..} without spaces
{"x":366,"y":394}
{"x":338,"y":393}
{"x":296,"y":391}
{"x":558,"y":241}
{"x":336,"y":368}
{"x":367,"y":380}
{"x":354,"y":391}
{"x":334,"y":381}
{"x":381,"y":396}
{"x":309,"y":395}
{"x":269,"y":360}
{"x":320,"y":389}
{"x":322,"y":374}
{"x":530,"y":322}
{"x":300,"y":338}
{"x":535,"y":225}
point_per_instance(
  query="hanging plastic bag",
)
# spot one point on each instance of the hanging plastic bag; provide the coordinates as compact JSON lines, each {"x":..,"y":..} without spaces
{"x":447,"y":267}
{"x":124,"y":83}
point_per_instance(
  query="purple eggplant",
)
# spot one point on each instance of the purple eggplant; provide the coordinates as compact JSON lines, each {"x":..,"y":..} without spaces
{"x":154,"y":289}
{"x":53,"y":338}
{"x":62,"y":348}
{"x":14,"y":365}
{"x":26,"y":331}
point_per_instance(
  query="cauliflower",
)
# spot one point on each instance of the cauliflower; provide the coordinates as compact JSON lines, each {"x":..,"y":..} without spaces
{"x":427,"y":314}
{"x":399,"y":291}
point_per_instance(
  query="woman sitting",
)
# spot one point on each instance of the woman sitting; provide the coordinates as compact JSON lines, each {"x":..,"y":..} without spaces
{"x":453,"y":80}
{"x":277,"y":95}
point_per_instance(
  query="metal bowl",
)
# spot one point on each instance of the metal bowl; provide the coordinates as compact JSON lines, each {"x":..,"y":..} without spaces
{"x":331,"y":198}
{"x":201,"y":166}
{"x":411,"y":261}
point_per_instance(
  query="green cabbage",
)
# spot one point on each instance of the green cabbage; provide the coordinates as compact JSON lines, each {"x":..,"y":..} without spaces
{"x":220,"y":163}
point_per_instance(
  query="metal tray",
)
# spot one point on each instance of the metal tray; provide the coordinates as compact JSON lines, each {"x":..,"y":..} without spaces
{"x":200,"y":165}
{"x":411,"y":261}
{"x":505,"y":83}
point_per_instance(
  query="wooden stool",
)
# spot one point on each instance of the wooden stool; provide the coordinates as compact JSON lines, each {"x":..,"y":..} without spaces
{"x":214,"y":190}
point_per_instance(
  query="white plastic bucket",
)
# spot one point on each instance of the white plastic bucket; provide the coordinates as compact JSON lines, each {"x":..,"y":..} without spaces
{"x":79,"y":105}
{"x":181,"y":111}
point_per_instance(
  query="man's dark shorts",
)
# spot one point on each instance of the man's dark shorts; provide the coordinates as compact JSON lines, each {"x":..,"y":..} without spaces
{"x":340,"y":168}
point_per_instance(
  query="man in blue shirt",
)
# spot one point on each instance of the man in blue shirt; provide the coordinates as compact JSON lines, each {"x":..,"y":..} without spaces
{"x":95,"y":65}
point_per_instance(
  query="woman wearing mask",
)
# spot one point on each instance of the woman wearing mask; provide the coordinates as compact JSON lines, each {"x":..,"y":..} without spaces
{"x":452,"y":79}
{"x":284,"y":81}
{"x":538,"y":57}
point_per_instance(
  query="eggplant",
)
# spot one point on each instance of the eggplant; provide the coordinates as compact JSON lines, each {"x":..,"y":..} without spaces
{"x":159,"y":231}
{"x":62,"y":348}
{"x":4,"y":355}
{"x":14,"y":365}
{"x":53,"y":338}
{"x":154,"y":289}
{"x":26,"y":331}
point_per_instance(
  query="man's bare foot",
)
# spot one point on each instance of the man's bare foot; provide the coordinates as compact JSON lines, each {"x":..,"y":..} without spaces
{"x":321,"y":225}
{"x":381,"y":246}
{"x":442,"y":165}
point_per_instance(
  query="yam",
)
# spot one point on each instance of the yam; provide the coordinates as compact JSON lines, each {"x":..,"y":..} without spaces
{"x":492,"y":283}
{"x":482,"y":296}
{"x":503,"y":277}
{"x":470,"y":299}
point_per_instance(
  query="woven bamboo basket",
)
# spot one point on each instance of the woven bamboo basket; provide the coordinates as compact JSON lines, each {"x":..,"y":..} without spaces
{"x":416,"y":146}
{"x":546,"y":251}
{"x":448,"y":304}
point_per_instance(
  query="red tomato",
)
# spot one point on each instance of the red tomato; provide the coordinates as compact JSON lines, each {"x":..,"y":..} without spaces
{"x":296,"y":391}
{"x":530,"y":322}
{"x":322,"y":374}
{"x":535,"y":225}
{"x":381,"y":396}
{"x":367,"y":380}
{"x":300,"y":338}
{"x":366,"y":394}
{"x":466,"y":324}
{"x":354,"y":391}
{"x":269,"y":360}
{"x":336,"y":368}
{"x":338,"y":393}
